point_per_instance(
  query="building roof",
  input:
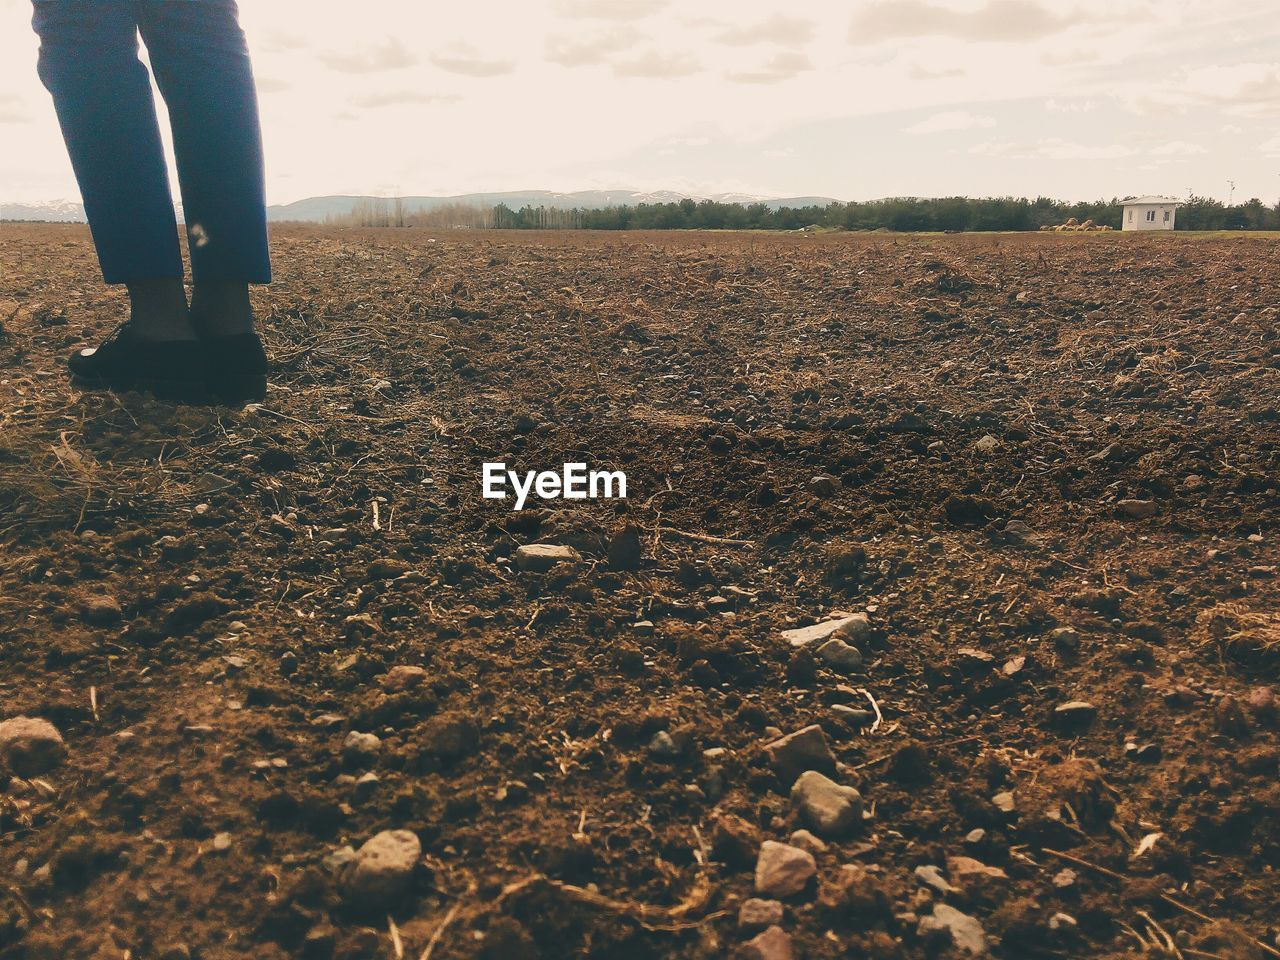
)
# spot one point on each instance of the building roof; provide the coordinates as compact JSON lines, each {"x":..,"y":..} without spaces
{"x":1138,"y":200}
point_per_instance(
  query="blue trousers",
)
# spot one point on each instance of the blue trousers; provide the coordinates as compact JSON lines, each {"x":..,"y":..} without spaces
{"x":102,"y":95}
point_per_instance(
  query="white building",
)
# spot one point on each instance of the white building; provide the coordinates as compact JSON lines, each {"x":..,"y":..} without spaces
{"x":1149,"y":213}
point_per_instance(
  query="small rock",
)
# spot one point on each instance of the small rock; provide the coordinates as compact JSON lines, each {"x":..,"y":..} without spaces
{"x":100,"y":610}
{"x":856,"y":627}
{"x":1136,"y":509}
{"x":756,"y":913}
{"x":1065,"y":638}
{"x":222,"y":842}
{"x":662,"y":747}
{"x":734,"y":840}
{"x":1263,"y":705}
{"x":1064,"y":879}
{"x":807,"y":841}
{"x":383,"y":868}
{"x":540,"y":557}
{"x":31,"y":746}
{"x":1229,"y":717}
{"x":987,"y":444}
{"x":963,"y":930}
{"x":783,"y":870}
{"x":824,"y":485}
{"x":931,"y":876}
{"x":337,"y":861}
{"x":386,"y":568}
{"x":1004,"y":802}
{"x":974,"y":875}
{"x":773,"y":944}
{"x":288,"y":663}
{"x":361,"y":748}
{"x":365,"y":787}
{"x":1074,"y":715}
{"x":828,"y":807}
{"x":806,"y":749}
{"x":975,"y":838}
{"x":840,"y":656}
{"x":853,"y":715}
{"x":402,"y":677}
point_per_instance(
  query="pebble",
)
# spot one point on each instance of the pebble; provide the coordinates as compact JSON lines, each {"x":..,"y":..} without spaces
{"x":1065,"y":638}
{"x":824,"y":485}
{"x":288,"y":663}
{"x":222,"y":842}
{"x":1004,"y":802}
{"x":853,"y":715}
{"x":1064,"y":878}
{"x":855,"y":627}
{"x":975,"y":838}
{"x":806,"y":749}
{"x":1136,"y":509}
{"x":931,"y":876}
{"x":361,"y":748}
{"x":365,"y":787}
{"x":987,"y":444}
{"x":773,"y":944}
{"x":783,"y":870}
{"x":1262,"y":704}
{"x":755,"y":913}
{"x":662,"y":747}
{"x":840,"y":656}
{"x":1229,"y":717}
{"x":100,"y":610}
{"x":383,"y":868}
{"x":1074,"y":715}
{"x":31,"y":746}
{"x":807,"y":841}
{"x":828,"y":807}
{"x":402,"y":677}
{"x":540,"y":557}
{"x":965,"y":931}
{"x":970,"y":874}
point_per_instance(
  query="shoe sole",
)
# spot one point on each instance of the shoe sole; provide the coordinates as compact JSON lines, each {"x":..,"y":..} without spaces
{"x":192,"y":392}
{"x":238,"y":389}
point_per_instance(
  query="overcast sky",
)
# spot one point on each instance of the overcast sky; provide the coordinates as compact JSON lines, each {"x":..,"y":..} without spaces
{"x":1074,"y":99}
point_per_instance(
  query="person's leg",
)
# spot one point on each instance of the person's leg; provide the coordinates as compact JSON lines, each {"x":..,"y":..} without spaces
{"x":102,"y":95}
{"x":201,"y":63}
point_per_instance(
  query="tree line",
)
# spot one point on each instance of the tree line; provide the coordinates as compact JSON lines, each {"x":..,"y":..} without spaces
{"x":947,"y":214}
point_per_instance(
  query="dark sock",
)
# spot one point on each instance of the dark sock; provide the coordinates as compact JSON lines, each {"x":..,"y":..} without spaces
{"x":158,"y":310}
{"x":221,"y":308}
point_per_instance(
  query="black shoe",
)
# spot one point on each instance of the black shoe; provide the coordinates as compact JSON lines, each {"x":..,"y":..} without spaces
{"x":167,"y":369}
{"x":235,"y":368}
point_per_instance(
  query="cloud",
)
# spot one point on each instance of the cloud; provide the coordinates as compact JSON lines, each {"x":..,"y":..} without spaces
{"x":465,"y":59}
{"x":1272,"y":147}
{"x":997,"y":21}
{"x":610,"y":9}
{"x":1178,"y":148}
{"x":781,"y":66}
{"x":654,"y":64}
{"x":1240,"y":90}
{"x":779,"y":29}
{"x":1052,"y":148}
{"x":392,"y":55}
{"x":919,"y":72}
{"x":396,"y":98}
{"x":1054,"y":105}
{"x":591,"y":51}
{"x":950,"y":120}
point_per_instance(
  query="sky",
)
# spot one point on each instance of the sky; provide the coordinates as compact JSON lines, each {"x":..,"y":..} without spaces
{"x":1074,"y":99}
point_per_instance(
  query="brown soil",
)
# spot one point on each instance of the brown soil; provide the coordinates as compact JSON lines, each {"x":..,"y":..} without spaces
{"x":259,"y":598}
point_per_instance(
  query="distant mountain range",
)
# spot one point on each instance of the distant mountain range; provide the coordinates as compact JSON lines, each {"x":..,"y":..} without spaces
{"x":317,"y":209}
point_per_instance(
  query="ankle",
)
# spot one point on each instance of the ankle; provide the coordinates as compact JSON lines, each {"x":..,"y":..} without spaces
{"x":221,"y":308}
{"x":158,"y":309}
